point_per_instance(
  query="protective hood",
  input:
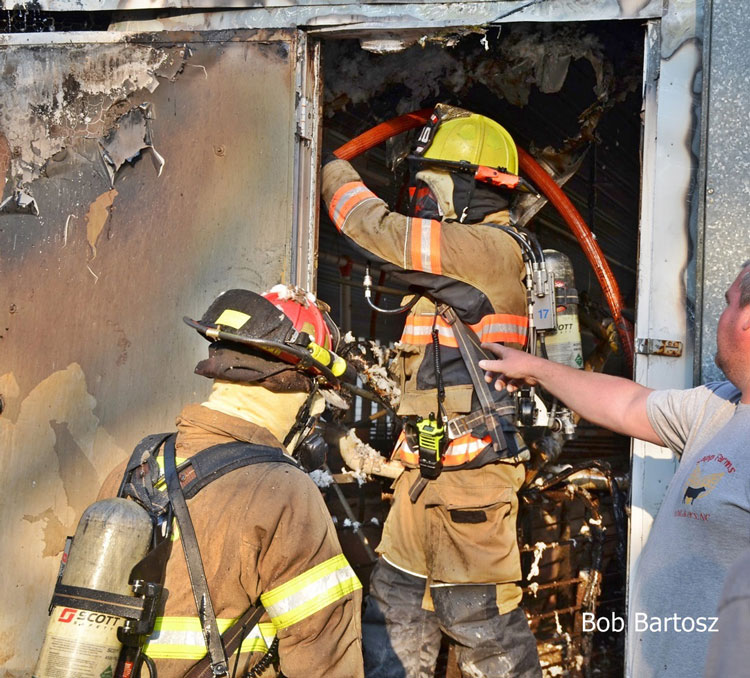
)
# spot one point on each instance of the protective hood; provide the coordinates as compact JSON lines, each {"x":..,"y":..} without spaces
{"x":458,"y":197}
{"x":276,"y":412}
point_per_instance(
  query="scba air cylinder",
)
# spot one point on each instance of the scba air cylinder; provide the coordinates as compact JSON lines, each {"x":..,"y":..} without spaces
{"x":111,"y":537}
{"x":564,"y":344}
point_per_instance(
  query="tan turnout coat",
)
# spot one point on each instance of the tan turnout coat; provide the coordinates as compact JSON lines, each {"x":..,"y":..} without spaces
{"x":262,"y":529}
{"x":428,"y":538}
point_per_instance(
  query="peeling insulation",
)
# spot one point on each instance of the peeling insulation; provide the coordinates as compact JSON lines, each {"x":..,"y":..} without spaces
{"x":83,"y":96}
{"x":373,"y":363}
{"x":520,"y":58}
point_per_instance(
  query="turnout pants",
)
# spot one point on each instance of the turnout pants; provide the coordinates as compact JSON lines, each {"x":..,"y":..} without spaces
{"x":402,"y":640}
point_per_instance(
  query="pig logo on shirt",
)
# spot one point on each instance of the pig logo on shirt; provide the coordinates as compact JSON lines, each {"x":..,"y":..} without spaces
{"x":699,"y":485}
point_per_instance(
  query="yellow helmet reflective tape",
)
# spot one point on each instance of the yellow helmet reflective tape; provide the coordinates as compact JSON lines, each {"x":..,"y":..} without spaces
{"x":182,"y":638}
{"x":475,"y":139}
{"x":310,"y":592}
{"x":232,"y":318}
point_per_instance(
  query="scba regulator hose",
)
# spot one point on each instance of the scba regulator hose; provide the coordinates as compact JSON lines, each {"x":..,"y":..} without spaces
{"x":539,"y":176}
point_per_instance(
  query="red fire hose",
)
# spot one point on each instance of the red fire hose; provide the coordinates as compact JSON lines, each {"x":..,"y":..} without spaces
{"x":551,"y":190}
{"x":590,"y":247}
{"x":380,"y":133}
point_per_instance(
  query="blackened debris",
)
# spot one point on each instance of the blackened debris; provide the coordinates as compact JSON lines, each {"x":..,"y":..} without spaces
{"x":31,"y":18}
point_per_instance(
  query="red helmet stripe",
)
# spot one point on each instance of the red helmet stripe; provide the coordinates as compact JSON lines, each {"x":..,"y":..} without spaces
{"x":305,"y":317}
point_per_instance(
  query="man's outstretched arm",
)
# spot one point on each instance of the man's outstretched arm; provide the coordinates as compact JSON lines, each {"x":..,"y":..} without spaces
{"x":613,"y":402}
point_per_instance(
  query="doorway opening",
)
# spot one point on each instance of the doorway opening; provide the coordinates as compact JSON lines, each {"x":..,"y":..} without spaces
{"x":570,"y":94}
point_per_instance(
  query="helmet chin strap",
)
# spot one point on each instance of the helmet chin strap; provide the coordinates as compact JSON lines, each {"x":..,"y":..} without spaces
{"x":303,"y":422}
{"x":469,"y":196}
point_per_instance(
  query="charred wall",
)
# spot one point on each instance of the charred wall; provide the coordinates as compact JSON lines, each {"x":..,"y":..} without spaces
{"x":136,"y":188}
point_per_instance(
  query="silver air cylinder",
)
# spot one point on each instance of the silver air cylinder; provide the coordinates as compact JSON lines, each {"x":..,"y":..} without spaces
{"x":564,"y":344}
{"x":112,"y":536}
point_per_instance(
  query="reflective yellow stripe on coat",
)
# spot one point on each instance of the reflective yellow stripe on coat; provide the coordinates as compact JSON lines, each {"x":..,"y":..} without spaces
{"x":182,"y":638}
{"x":492,"y":328}
{"x":310,"y":592}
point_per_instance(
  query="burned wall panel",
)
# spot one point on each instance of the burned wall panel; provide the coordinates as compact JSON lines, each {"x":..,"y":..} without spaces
{"x":467,"y":13}
{"x":93,"y":354}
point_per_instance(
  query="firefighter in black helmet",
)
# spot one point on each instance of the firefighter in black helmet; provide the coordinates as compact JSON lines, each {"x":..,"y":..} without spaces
{"x":263,"y":530}
{"x":449,"y":557}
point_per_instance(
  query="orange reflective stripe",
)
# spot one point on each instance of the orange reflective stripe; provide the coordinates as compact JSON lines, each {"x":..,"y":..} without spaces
{"x":418,"y":331}
{"x":502,"y":327}
{"x":436,"y":265}
{"x":425,"y":245}
{"x":465,"y":448}
{"x":494,"y":327}
{"x":401,"y":450}
{"x":462,"y":450}
{"x":349,"y":196}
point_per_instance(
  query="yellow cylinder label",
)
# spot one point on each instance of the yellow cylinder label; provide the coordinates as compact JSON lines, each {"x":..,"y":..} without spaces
{"x":79,"y":644}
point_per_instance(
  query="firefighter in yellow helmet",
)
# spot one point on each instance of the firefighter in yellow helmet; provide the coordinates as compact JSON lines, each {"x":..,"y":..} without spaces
{"x":264,"y":533}
{"x":449,"y":556}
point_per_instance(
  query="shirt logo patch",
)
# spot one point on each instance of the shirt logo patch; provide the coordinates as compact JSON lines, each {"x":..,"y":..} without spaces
{"x":699,"y":485}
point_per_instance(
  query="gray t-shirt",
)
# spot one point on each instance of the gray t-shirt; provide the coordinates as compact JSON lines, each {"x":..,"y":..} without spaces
{"x":729,"y":650}
{"x":701,"y":528}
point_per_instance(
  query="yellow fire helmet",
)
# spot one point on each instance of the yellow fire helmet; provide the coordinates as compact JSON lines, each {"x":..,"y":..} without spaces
{"x":461,"y":135}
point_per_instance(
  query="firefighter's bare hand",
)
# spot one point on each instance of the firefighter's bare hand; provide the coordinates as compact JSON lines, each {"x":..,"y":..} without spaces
{"x":511,"y":370}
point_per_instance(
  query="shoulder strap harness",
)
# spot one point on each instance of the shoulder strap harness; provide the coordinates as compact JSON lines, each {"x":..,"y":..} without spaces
{"x":491,"y":419}
{"x":141,"y":483}
{"x":472,"y":354}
